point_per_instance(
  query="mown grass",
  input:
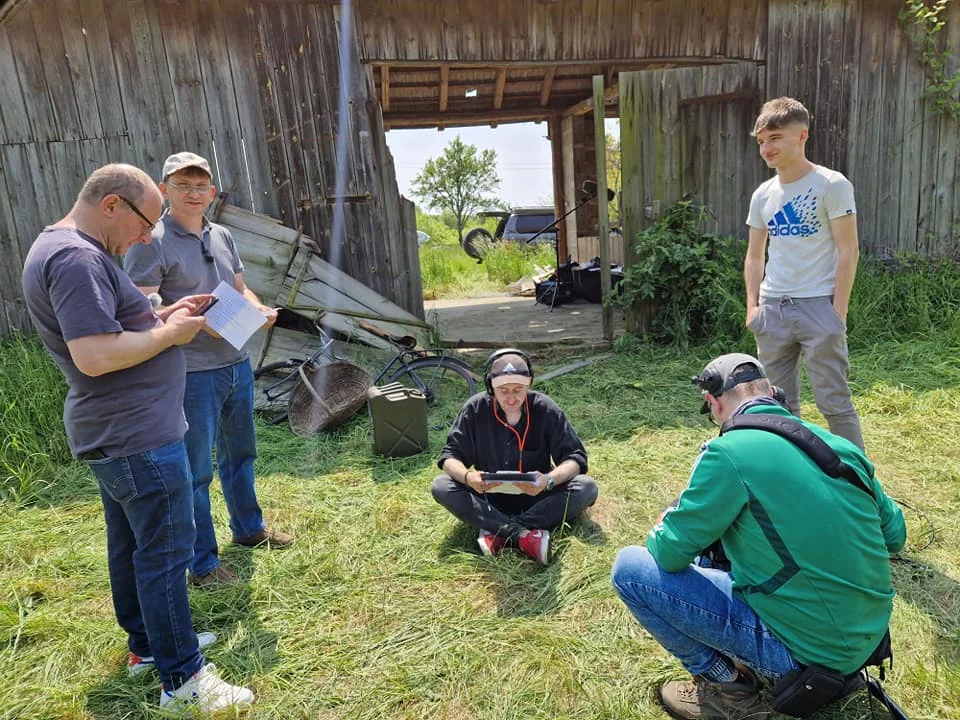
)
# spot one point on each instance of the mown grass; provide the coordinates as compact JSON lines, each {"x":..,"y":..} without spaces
{"x":384,"y":609}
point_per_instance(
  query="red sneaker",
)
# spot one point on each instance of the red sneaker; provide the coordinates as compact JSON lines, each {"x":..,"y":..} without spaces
{"x":536,"y":544}
{"x":490,"y":544}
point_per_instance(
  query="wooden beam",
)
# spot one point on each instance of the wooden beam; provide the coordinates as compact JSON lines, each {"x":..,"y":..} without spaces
{"x":586,"y":105}
{"x":547,"y":85}
{"x":610,"y":96}
{"x":501,"y":84}
{"x":444,"y":86}
{"x":385,"y":87}
{"x":746,"y":94}
{"x":460,"y":119}
{"x":571,"y":367}
{"x":603,"y":218}
{"x":623,"y":63}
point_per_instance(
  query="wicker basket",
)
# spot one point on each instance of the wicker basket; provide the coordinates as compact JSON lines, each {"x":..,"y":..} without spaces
{"x":326,"y":396}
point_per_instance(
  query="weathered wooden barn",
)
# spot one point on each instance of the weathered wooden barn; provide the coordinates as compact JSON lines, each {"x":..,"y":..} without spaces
{"x":254,"y":85}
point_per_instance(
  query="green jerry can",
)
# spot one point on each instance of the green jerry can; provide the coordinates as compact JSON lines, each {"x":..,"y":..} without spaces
{"x":399,"y":419}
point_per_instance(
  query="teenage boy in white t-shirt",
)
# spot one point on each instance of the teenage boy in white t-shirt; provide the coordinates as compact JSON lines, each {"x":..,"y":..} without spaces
{"x":797,"y":298}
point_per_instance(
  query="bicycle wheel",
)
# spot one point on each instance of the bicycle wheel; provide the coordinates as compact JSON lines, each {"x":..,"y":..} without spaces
{"x":447,"y":383}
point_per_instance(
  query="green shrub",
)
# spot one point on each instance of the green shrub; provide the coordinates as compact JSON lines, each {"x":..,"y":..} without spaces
{"x":687,"y":283}
{"x":34,"y":443}
{"x":691,"y":285}
{"x":440,"y":233}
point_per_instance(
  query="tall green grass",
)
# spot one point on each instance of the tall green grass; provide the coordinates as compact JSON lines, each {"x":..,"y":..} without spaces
{"x":508,"y":262}
{"x":909,"y":298}
{"x":31,"y":419}
{"x":447,"y":271}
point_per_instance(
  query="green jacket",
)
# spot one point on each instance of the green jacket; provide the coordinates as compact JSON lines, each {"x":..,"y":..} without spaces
{"x":809,"y":553}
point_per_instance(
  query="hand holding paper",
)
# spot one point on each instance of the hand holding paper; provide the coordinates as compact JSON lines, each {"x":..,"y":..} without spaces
{"x":234,"y":318}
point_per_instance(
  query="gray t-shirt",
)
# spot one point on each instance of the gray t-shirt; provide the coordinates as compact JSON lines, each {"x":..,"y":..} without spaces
{"x":73,"y":289}
{"x":802,"y":255}
{"x":174,"y":261}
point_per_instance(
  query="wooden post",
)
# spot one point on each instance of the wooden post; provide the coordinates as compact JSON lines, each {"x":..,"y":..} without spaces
{"x":632,"y":191}
{"x":603,"y":215}
{"x":569,"y":186}
{"x":559,"y":203}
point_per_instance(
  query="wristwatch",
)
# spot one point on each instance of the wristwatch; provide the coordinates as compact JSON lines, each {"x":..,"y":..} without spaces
{"x":549,"y":482}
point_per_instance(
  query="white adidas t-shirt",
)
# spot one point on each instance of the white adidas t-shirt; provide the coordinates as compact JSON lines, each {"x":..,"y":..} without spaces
{"x":802,"y":257}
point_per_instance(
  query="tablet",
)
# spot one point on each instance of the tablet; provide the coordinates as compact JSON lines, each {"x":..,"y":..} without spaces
{"x":510,"y":476}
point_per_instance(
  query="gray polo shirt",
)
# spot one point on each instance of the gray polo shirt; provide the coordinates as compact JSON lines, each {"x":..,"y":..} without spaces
{"x":73,"y":289}
{"x":174,"y":261}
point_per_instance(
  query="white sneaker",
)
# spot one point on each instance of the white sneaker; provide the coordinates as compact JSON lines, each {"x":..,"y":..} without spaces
{"x":137,"y":664}
{"x":207,"y":692}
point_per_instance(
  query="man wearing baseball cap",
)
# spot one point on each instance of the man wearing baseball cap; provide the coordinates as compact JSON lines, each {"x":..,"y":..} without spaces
{"x":188,"y":255}
{"x":790,"y":600}
{"x":513,"y":428}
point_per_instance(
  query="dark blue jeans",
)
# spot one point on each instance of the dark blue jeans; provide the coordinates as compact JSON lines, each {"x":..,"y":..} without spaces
{"x":219,"y":409}
{"x":148,"y":508}
{"x":695,"y":616}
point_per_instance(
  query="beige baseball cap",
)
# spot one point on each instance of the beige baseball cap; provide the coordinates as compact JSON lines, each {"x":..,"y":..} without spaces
{"x":183,"y":160}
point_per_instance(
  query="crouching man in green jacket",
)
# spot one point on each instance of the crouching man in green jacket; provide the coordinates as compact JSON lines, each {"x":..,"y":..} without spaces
{"x":810,"y":574}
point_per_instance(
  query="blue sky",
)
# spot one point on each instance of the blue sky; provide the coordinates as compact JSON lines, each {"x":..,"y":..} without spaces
{"x":523,"y":157}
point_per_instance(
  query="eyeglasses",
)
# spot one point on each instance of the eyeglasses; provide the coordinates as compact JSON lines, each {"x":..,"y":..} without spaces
{"x":150,"y":223}
{"x":191,"y":189}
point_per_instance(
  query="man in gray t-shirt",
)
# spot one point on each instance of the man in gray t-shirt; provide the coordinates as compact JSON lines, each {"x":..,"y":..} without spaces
{"x":797,"y":299}
{"x":123,"y":417}
{"x":189,"y":255}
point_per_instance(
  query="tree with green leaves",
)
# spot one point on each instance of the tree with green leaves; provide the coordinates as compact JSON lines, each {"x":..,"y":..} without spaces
{"x":460,"y":181}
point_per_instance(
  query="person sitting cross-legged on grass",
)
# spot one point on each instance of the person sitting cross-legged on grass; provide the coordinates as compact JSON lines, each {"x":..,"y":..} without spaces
{"x":809,"y":581}
{"x":510,"y":427}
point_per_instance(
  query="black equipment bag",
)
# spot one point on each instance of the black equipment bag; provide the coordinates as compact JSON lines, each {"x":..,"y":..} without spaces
{"x":801,"y":693}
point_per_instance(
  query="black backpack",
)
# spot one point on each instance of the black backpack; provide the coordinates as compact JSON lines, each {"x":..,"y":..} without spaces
{"x":801,"y":693}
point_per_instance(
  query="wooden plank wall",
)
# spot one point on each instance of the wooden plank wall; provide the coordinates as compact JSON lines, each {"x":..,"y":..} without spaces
{"x":904,"y":157}
{"x":685,"y":133}
{"x":852,"y":65}
{"x":560,"y":30}
{"x":814,"y":60}
{"x":252,"y":86}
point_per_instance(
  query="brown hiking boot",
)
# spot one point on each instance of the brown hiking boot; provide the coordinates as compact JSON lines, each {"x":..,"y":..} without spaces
{"x":268,"y":537}
{"x":700,"y":699}
{"x":217,"y":577}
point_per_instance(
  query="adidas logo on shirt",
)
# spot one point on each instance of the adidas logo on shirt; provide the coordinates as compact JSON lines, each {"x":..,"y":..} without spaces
{"x":798,"y":218}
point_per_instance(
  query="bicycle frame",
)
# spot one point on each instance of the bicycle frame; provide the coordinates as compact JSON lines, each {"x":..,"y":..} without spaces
{"x":402,"y":360}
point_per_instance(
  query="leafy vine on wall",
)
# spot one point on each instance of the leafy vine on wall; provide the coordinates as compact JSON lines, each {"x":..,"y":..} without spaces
{"x":924,"y":22}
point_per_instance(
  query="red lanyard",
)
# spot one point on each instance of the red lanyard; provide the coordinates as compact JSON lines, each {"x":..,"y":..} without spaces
{"x":521,"y":441}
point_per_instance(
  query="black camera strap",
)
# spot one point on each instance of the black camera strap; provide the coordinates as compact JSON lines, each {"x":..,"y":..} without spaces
{"x":793,"y":430}
{"x":828,"y":461}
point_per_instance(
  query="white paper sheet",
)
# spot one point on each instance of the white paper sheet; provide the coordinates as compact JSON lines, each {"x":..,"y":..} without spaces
{"x":234,"y":317}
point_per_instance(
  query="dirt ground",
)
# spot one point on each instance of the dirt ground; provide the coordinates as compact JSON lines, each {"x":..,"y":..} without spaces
{"x":505,"y":320}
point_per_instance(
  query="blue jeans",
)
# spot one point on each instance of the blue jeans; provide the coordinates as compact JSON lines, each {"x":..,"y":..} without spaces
{"x":148,"y":508}
{"x":695,"y":616}
{"x":219,"y":409}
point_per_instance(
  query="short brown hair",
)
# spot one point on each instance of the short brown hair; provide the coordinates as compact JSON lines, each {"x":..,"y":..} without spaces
{"x":780,"y":112}
{"x":124,"y":180}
